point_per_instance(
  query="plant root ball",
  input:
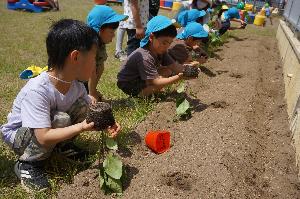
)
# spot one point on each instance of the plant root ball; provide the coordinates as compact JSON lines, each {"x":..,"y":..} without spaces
{"x":101,"y":114}
{"x":190,"y":71}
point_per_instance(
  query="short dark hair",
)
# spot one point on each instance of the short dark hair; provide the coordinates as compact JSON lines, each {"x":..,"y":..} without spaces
{"x":65,"y":36}
{"x":114,"y":25}
{"x":169,"y":31}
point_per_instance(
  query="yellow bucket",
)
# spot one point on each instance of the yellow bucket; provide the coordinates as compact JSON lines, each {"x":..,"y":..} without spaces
{"x":248,"y":7}
{"x":259,"y":20}
{"x":176,"y":5}
{"x":262,"y":12}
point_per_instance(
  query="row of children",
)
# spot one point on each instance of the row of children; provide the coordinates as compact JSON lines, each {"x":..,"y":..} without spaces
{"x":50,"y":110}
{"x":221,"y":22}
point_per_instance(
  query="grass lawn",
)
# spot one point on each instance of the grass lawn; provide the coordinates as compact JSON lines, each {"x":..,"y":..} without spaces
{"x":22,"y":43}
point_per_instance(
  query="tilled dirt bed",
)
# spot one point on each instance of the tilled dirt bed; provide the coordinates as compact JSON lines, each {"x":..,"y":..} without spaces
{"x":235,"y":145}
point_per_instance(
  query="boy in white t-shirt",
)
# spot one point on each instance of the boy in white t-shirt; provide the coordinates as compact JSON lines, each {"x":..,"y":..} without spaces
{"x":51,"y":108}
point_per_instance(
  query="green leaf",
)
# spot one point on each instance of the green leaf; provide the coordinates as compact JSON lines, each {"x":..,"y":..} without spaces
{"x":111,"y":144}
{"x":113,"y":166}
{"x":181,"y":88}
{"x":114,"y":184}
{"x":183,"y":108}
{"x":101,"y":178}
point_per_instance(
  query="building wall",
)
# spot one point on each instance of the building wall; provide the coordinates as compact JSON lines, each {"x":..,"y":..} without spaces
{"x":289,"y":47}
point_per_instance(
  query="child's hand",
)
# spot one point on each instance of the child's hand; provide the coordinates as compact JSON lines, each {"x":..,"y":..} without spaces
{"x":94,"y":100}
{"x":87,"y":126}
{"x":243,"y":25}
{"x":140,"y":33}
{"x":194,"y":63}
{"x":184,"y":77}
{"x":114,"y":130}
{"x":95,"y":97}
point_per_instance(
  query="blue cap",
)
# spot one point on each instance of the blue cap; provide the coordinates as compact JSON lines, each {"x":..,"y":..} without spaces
{"x":188,"y":16}
{"x":193,"y":29}
{"x":157,"y":23}
{"x":232,"y":13}
{"x":100,"y":15}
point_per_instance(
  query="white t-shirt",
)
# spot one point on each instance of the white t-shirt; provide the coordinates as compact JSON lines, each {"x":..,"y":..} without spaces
{"x":35,"y":104}
{"x":144,"y":14}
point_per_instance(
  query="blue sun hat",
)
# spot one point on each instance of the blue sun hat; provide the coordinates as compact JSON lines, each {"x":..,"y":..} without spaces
{"x":189,"y":16}
{"x":101,"y":14}
{"x":193,"y":29}
{"x":232,"y":13}
{"x":157,"y":23}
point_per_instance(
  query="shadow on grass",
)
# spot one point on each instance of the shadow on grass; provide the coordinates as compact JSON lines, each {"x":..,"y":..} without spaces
{"x":63,"y":169}
{"x":7,"y":176}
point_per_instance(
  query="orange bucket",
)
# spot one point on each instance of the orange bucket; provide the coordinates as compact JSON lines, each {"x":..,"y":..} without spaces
{"x":158,"y":141}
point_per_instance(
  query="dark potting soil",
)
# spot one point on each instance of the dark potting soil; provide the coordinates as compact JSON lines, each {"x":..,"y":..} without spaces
{"x":190,"y":71}
{"x":101,"y":114}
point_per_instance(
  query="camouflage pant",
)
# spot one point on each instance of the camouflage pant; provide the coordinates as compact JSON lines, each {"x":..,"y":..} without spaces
{"x":26,"y":144}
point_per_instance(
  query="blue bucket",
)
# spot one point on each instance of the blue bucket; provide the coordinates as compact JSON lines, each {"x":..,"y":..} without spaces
{"x":168,"y":3}
{"x":251,"y":18}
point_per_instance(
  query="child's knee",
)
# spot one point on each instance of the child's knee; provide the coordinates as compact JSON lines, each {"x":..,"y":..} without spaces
{"x":22,"y":139}
{"x":61,"y":120}
{"x":78,"y":111}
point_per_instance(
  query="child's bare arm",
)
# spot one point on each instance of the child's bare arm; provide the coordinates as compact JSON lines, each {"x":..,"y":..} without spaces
{"x":134,"y":6}
{"x":162,"y":81}
{"x":237,"y":20}
{"x":93,"y":82}
{"x":49,"y":137}
{"x":176,"y":67}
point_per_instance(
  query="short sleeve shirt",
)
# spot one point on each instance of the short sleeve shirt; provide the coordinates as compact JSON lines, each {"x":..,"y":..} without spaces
{"x":144,"y":14}
{"x":142,"y":64}
{"x":36,"y":103}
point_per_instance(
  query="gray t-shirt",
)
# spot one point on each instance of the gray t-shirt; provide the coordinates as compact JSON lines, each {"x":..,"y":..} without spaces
{"x":35,"y":104}
{"x":142,"y":64}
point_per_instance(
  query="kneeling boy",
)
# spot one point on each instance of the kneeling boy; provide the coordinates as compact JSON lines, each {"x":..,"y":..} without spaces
{"x":51,"y":108}
{"x":149,"y":68}
{"x":186,"y":49}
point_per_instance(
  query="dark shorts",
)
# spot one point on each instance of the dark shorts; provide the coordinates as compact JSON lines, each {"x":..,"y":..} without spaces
{"x":225,"y":27}
{"x":132,"y":88}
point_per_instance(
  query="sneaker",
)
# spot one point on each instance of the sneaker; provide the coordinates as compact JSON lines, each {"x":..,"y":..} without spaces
{"x":71,"y":151}
{"x":32,"y":175}
{"x":122,"y":56}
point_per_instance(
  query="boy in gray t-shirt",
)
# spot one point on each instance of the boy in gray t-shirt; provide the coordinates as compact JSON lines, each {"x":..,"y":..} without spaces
{"x":51,"y":108}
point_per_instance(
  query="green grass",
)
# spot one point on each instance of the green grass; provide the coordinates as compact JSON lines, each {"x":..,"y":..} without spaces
{"x":22,"y":43}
